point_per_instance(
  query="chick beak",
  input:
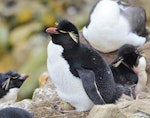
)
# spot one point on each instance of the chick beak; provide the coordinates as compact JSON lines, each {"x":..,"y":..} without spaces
{"x":135,"y":70}
{"x":23,"y":76}
{"x":51,"y":30}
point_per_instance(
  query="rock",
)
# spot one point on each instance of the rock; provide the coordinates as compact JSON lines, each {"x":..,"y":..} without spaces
{"x":41,"y":94}
{"x":46,"y":93}
{"x":136,"y":108}
{"x":106,"y":111}
{"x":124,"y":98}
{"x":24,"y":104}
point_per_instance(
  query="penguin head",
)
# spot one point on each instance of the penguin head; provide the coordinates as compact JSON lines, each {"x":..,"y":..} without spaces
{"x":11,"y":79}
{"x":65,"y":34}
{"x":129,"y":55}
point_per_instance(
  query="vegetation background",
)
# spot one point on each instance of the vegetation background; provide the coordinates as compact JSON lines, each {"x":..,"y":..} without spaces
{"x":23,"y":41}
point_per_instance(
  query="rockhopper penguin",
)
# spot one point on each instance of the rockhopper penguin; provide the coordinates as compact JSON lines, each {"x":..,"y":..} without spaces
{"x":81,"y":76}
{"x":113,"y":23}
{"x":10,"y":83}
{"x":123,"y":67}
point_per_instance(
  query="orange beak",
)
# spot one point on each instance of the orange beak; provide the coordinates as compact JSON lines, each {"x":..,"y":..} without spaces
{"x":23,"y":76}
{"x":51,"y":30}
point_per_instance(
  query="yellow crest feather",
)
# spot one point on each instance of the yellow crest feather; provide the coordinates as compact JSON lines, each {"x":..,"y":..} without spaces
{"x":118,"y":63}
{"x":73,"y":36}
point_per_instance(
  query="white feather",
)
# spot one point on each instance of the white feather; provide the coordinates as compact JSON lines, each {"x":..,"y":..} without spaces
{"x":108,"y":30}
{"x":142,"y":76}
{"x":69,"y":87}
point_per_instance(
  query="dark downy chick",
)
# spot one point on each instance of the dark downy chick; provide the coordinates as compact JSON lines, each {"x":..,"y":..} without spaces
{"x":123,"y":67}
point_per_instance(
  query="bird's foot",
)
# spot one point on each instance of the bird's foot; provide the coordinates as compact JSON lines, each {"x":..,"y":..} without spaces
{"x":64,"y":107}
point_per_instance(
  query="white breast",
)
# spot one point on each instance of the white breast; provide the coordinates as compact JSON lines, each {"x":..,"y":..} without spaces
{"x":142,"y":76}
{"x":10,"y":96}
{"x":69,"y":87}
{"x":108,"y":30}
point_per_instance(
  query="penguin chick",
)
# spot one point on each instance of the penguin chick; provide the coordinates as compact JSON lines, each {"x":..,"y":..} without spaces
{"x":142,"y":76}
{"x":81,"y":76}
{"x":122,"y":67}
{"x":10,"y":83}
{"x":112,"y":24}
{"x":13,"y":112}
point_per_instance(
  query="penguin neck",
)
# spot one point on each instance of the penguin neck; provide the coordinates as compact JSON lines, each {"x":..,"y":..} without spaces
{"x":66,"y":45}
{"x":3,"y":92}
{"x":127,"y":66}
{"x":56,"y":51}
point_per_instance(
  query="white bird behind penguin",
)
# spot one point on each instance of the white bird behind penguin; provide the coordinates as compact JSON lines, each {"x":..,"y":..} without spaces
{"x":112,"y":25}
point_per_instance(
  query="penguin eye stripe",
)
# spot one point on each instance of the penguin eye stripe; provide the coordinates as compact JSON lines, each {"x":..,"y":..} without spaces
{"x":15,"y":77}
{"x":61,"y":31}
{"x":72,"y":35}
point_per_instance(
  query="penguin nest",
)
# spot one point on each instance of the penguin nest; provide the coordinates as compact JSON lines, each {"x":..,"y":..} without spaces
{"x":46,"y":110}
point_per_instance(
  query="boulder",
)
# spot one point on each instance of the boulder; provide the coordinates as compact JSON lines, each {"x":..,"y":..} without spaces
{"x":106,"y":111}
{"x":137,"y":108}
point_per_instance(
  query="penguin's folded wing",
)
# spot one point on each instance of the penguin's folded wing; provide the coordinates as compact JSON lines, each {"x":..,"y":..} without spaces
{"x":89,"y":84}
{"x":136,"y":16}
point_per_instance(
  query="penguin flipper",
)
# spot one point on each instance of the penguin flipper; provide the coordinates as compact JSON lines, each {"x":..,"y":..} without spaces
{"x":138,"y":20}
{"x":89,"y":84}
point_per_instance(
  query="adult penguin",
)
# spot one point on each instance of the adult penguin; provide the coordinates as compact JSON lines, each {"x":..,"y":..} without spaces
{"x":124,"y":66}
{"x":10,"y":83}
{"x":113,"y":23}
{"x":81,"y":76}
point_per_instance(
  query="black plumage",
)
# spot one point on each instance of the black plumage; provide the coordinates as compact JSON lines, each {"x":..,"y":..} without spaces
{"x":122,"y":67}
{"x":86,"y":63}
{"x":9,"y":80}
{"x":13,"y":112}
